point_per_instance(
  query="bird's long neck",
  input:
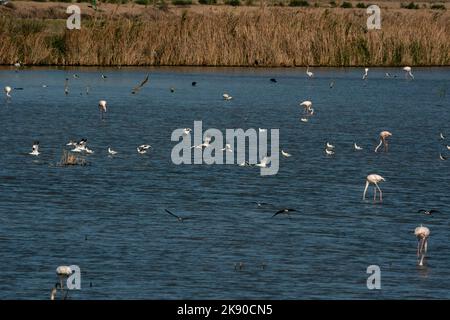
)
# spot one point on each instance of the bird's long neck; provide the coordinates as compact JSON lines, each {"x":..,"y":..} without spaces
{"x":379,"y":145}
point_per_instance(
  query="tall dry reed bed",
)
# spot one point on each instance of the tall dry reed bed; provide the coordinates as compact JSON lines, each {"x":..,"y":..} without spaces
{"x":263,"y":37}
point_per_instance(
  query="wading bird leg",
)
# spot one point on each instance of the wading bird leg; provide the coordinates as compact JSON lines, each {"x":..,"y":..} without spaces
{"x":381,"y":193}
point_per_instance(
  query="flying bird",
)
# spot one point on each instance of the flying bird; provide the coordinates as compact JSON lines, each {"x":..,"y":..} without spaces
{"x":428,"y":212}
{"x":374,"y":179}
{"x":139,"y":87}
{"x":180,"y":219}
{"x":284,"y":211}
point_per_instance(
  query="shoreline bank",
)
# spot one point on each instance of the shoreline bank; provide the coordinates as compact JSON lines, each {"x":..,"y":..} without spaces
{"x":267,"y":37}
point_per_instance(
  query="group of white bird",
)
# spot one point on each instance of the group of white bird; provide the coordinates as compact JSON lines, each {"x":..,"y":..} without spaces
{"x":81,"y":147}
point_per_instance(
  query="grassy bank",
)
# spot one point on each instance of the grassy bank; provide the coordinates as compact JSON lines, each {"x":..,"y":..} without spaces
{"x":224,"y":36}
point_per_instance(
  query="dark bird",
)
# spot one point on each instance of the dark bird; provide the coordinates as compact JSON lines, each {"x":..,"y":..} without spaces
{"x":284,"y":211}
{"x":139,"y":87}
{"x":273,"y":80}
{"x":180,"y":219}
{"x":194,"y":83}
{"x":66,"y":86}
{"x":428,"y":212}
{"x":172,"y":89}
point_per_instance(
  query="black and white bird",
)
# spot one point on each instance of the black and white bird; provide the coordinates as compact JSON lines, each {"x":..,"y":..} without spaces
{"x":180,"y":219}
{"x":35,"y":151}
{"x":111,"y":151}
{"x":186,"y":131}
{"x":284,"y":211}
{"x":428,"y":212}
{"x":142,"y":149}
{"x":226,"y":96}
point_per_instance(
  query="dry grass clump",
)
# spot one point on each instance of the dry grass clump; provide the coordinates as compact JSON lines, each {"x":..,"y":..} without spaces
{"x":69,"y":159}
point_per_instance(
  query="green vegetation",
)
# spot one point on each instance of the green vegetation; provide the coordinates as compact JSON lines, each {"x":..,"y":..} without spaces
{"x":298,"y":3}
{"x":410,"y":5}
{"x":437,"y":6}
{"x":233,"y":3}
{"x":181,"y":2}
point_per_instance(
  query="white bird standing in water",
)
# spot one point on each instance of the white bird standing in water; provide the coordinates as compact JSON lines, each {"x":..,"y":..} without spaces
{"x":102,"y":107}
{"x":366,"y":72}
{"x":264,"y":162}
{"x":227,"y":148}
{"x":8,"y":91}
{"x":285,"y":154}
{"x":374,"y":179}
{"x":226,"y":96}
{"x":63,"y":272}
{"x":111,"y":151}
{"x":307,"y":107}
{"x":35,"y":151}
{"x":383,"y":140}
{"x":186,"y":131}
{"x":358,"y":148}
{"x":408,"y":70}
{"x":309,"y":73}
{"x":422,"y":233}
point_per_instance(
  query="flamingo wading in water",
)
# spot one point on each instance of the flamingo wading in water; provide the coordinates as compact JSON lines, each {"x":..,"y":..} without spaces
{"x":102,"y":107}
{"x":408,"y":72}
{"x":383,"y":140}
{"x":374,"y":179}
{"x":422,"y":233}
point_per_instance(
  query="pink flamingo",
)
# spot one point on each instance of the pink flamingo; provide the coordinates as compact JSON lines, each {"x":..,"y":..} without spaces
{"x":383,"y":140}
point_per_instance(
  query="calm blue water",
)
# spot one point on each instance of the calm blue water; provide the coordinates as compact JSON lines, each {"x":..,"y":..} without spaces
{"x":135,"y":250}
